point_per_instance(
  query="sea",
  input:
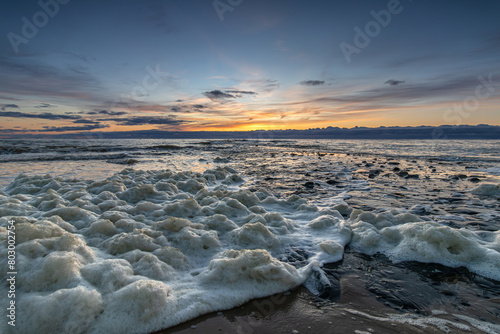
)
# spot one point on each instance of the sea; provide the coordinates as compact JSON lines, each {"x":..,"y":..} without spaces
{"x":140,"y":236}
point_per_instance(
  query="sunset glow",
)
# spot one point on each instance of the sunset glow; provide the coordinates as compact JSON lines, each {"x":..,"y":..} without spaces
{"x":184,"y":66}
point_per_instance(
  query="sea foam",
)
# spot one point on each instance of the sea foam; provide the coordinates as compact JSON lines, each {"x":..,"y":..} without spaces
{"x":146,"y":250}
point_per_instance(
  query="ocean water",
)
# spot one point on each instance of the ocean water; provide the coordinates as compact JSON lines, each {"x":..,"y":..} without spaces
{"x":140,"y":235}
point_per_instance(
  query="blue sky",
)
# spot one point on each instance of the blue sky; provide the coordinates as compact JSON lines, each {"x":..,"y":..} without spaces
{"x":176,"y":65}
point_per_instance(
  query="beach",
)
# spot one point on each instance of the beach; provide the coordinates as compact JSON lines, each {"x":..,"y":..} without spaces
{"x":244,"y":236}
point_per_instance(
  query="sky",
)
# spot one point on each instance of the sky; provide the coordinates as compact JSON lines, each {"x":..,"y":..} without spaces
{"x":235,"y":65}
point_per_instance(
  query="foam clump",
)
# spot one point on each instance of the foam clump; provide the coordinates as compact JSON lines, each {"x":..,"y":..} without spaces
{"x":108,"y":275}
{"x":56,"y":271}
{"x":194,"y":240}
{"x":37,"y":230}
{"x":253,"y":267}
{"x":425,"y":242}
{"x":125,"y":242}
{"x":255,"y":235}
{"x":148,"y":265}
{"x":71,"y":310}
{"x":144,"y":304}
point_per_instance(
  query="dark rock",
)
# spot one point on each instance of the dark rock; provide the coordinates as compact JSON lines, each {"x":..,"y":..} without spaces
{"x":402,"y":173}
{"x":309,"y":184}
{"x":374,"y":173}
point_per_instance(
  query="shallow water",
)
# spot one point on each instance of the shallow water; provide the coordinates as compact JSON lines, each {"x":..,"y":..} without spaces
{"x":147,"y":248}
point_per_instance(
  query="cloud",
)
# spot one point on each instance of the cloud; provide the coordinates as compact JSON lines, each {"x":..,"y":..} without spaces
{"x":51,"y":116}
{"x":312,"y":83}
{"x":393,"y":82}
{"x":46,"y":105}
{"x":240,"y":92}
{"x":146,"y":120}
{"x":28,"y":76}
{"x":72,"y":128}
{"x":262,"y":85}
{"x":11,"y":106}
{"x":432,"y":90}
{"x":85,"y":121}
{"x":217,"y":95}
{"x":107,"y":112}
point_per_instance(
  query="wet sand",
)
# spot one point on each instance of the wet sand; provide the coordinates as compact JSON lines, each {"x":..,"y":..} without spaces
{"x":410,"y":298}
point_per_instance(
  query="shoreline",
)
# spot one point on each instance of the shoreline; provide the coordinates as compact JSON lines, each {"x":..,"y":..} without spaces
{"x":360,"y":305}
{"x":300,"y":314}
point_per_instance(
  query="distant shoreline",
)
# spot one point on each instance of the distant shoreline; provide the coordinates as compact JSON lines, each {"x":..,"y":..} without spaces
{"x":443,"y":132}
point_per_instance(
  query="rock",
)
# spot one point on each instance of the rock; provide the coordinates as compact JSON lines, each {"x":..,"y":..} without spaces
{"x":374,"y":173}
{"x":309,"y":184}
{"x":402,"y":173}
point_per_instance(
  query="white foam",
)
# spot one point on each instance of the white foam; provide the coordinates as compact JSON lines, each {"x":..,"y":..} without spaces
{"x":142,"y":251}
{"x":426,"y":242}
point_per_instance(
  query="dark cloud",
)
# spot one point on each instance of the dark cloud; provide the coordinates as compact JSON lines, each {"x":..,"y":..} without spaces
{"x":217,"y":95}
{"x":11,"y":106}
{"x":240,"y":92}
{"x":312,"y":83}
{"x":46,"y":105}
{"x":107,"y":112}
{"x":85,"y":121}
{"x":198,"y":106}
{"x":146,"y":120}
{"x":72,"y":128}
{"x":51,"y":116}
{"x":393,"y":82}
